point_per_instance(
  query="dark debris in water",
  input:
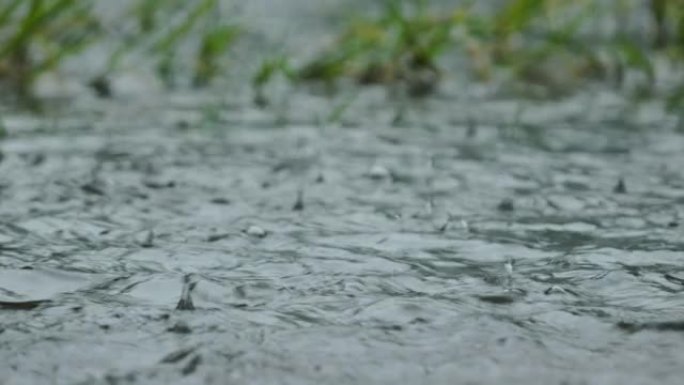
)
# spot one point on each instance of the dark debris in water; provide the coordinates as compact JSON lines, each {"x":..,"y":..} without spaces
{"x":22,"y":305}
{"x":674,"y":279}
{"x":185,"y":301}
{"x":498,"y":299}
{"x":620,"y":187}
{"x":192,"y":365}
{"x":217,"y":237}
{"x":93,"y":188}
{"x":148,"y":240}
{"x":506,"y":205}
{"x":177,"y":356}
{"x":102,"y":86}
{"x":661,"y":326}
{"x":444,"y":226}
{"x":156,"y":185}
{"x":299,"y":202}
{"x":221,"y":201}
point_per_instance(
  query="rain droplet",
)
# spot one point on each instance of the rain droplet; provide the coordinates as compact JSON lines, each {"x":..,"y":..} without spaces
{"x":256,"y":231}
{"x":379,"y":172}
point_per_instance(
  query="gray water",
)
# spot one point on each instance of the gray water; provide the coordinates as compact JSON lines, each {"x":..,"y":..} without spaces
{"x":468,"y":239}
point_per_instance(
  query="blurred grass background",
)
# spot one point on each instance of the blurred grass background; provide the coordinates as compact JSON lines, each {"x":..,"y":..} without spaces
{"x":541,"y":48}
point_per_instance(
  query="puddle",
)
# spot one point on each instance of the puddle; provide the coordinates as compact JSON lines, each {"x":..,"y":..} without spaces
{"x":357,"y":252}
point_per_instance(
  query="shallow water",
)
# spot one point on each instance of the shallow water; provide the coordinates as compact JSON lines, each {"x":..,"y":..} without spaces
{"x":474,"y":240}
{"x":395,"y":268}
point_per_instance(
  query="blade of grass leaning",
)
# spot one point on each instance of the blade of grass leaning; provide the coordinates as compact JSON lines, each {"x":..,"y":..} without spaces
{"x":171,"y":40}
{"x":270,"y":68}
{"x":214,"y":44}
{"x":516,"y":16}
{"x":37,"y":16}
{"x":168,"y":44}
{"x":8,"y":10}
{"x":636,"y":57}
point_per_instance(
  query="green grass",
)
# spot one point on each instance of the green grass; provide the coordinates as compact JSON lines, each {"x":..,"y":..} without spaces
{"x":37,"y":36}
{"x":267,"y":71}
{"x":537,"y":47}
{"x":536,"y":44}
{"x":164,"y":28}
{"x":401,"y":45}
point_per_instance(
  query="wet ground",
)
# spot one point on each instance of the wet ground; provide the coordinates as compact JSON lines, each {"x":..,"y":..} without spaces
{"x":195,"y":239}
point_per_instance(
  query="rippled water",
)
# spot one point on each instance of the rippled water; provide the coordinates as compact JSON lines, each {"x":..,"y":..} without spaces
{"x":473,"y":241}
{"x":416,"y":255}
